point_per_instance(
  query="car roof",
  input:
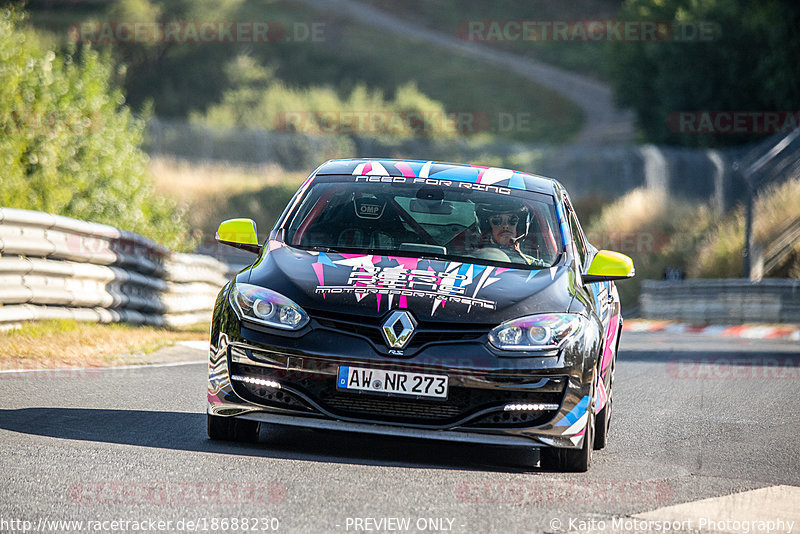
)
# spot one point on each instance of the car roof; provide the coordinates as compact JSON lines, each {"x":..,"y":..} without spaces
{"x":436,"y":170}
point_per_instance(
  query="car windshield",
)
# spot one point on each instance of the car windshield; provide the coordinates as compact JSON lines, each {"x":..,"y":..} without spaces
{"x":509,"y":228}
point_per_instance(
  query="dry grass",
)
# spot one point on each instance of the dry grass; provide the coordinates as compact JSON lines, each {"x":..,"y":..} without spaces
{"x":191,"y":181}
{"x":212,"y":192}
{"x":68,"y":343}
{"x":691,"y":237}
{"x":657,"y":231}
{"x":722,"y":251}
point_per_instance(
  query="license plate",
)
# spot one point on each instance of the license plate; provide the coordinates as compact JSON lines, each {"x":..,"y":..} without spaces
{"x":399,"y":382}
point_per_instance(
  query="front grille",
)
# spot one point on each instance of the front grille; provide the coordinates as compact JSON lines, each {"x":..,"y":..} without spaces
{"x":426,"y":331}
{"x":461,"y":402}
{"x":373,"y":405}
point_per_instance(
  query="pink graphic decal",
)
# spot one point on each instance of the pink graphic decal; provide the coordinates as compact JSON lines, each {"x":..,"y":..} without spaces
{"x":405,"y":169}
{"x":403,"y":303}
{"x":213,"y":399}
{"x":611,"y":336}
{"x":406,"y":263}
{"x":379,"y":301}
{"x":367,"y":168}
{"x":500,"y":270}
{"x":318,"y":270}
{"x":601,"y":395}
{"x":480,"y":174}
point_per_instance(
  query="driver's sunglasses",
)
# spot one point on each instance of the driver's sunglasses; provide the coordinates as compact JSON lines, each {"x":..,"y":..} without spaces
{"x":500,"y":220}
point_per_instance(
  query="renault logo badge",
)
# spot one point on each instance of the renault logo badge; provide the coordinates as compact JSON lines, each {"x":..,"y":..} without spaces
{"x":398,"y":329}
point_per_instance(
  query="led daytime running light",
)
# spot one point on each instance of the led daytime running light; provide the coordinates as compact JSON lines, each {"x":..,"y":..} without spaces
{"x":529,"y":407}
{"x":256,"y":381}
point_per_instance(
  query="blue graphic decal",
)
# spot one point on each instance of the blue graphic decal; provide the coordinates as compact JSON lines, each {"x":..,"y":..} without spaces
{"x":563,"y":223}
{"x":531,"y":274}
{"x":458,"y":174}
{"x":575,"y":414}
{"x":325,"y":260}
{"x":516,"y":181}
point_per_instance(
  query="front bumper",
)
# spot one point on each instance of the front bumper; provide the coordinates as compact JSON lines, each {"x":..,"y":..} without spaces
{"x":275,"y":384}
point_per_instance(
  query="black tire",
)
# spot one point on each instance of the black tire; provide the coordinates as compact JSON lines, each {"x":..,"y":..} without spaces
{"x":571,"y":460}
{"x":232,"y":429}
{"x":603,"y":422}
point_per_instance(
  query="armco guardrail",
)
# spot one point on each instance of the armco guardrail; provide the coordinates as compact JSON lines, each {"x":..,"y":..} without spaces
{"x":722,"y":301}
{"x":54,"y":267}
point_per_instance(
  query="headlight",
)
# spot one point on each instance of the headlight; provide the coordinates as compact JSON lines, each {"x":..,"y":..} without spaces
{"x":264,"y":306}
{"x":536,"y":332}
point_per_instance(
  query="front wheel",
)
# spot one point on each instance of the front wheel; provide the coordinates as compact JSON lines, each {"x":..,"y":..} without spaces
{"x":232,"y":429}
{"x":571,"y":460}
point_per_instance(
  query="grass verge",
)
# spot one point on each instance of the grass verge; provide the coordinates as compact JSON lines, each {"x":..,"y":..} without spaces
{"x":67,"y":343}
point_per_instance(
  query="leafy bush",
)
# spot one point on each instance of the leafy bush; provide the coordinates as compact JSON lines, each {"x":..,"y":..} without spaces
{"x":261,"y":101}
{"x":69,"y":146}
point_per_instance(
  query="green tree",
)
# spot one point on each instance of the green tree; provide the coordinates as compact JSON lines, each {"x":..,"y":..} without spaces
{"x":68,"y":144}
{"x":746,"y":60}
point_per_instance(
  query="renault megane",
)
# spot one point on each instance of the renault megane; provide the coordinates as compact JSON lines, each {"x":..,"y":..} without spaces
{"x":421,"y":299}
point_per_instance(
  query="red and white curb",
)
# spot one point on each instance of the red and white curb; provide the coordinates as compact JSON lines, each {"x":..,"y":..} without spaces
{"x":788,"y":332}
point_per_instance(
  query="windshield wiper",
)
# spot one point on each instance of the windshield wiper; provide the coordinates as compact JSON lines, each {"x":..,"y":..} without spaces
{"x":317,"y":248}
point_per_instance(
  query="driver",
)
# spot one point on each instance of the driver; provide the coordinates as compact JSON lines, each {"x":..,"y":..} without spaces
{"x":506,"y":226}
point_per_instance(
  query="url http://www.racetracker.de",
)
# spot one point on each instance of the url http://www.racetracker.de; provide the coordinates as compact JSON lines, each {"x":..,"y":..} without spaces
{"x":198,"y":524}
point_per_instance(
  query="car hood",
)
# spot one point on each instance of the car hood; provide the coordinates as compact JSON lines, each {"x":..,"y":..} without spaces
{"x":433,"y":290}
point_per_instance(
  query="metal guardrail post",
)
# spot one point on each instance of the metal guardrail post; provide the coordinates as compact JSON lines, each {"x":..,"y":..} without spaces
{"x":747,"y":175}
{"x":748,"y":223}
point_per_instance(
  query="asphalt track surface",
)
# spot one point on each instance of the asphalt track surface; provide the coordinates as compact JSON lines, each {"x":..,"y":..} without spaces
{"x":695,"y":417}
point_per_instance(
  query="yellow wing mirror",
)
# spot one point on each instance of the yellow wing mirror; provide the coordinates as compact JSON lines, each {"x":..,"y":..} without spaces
{"x":608,"y":265}
{"x":239,"y":233}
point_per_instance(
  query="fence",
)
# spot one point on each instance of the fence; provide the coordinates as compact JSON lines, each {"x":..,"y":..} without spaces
{"x":54,"y":267}
{"x":608,"y":170}
{"x":722,"y":301}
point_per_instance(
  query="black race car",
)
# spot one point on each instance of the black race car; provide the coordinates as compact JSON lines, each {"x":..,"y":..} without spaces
{"x":421,"y":299}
